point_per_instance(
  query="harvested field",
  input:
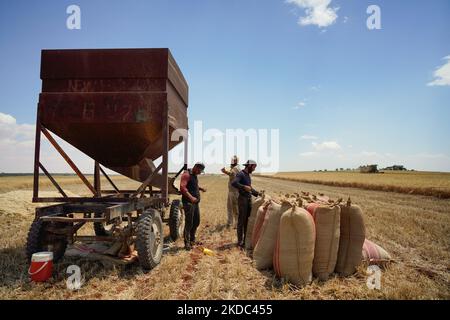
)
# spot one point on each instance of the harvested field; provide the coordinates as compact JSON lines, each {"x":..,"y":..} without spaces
{"x":414,"y":229}
{"x":435,"y":184}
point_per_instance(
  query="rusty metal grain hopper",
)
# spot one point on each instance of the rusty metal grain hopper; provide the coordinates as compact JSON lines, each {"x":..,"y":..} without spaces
{"x":113,"y":104}
{"x":120,"y":107}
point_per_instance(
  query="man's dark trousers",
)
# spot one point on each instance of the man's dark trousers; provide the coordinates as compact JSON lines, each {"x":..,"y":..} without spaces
{"x":245,"y":207}
{"x":191,"y":221}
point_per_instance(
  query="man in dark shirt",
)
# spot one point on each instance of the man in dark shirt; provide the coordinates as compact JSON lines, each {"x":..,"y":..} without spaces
{"x":243,"y":183}
{"x":191,"y":197}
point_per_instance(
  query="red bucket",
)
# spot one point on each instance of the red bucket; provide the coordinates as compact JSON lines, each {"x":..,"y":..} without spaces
{"x":41,"y":267}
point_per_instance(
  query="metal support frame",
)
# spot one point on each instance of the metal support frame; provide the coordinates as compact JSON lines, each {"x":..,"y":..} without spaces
{"x":110,"y":211}
{"x":37,"y":152}
{"x":111,"y":204}
{"x":110,"y":196}
{"x":165,"y":157}
{"x":68,"y":160}
{"x":147,"y":181}
{"x":185,"y":166}
{"x":49,"y":176}
{"x":186,"y":150}
{"x":97,"y":183}
{"x":109,"y":179}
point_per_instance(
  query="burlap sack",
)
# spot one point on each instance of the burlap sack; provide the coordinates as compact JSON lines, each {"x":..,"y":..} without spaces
{"x":252,"y":219}
{"x":259,"y":221}
{"x":263,"y":252}
{"x":374,"y":254}
{"x":327,"y":224}
{"x":294,"y":250}
{"x":353,"y":234}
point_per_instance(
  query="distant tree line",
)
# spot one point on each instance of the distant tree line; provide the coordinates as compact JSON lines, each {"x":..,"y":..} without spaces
{"x":369,"y":168}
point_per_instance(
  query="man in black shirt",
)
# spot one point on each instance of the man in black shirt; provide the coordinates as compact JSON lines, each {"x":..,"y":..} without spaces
{"x":191,"y":197}
{"x":243,"y":183}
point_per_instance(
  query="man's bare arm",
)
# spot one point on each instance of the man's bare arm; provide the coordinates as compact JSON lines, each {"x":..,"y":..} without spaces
{"x":225,"y":171}
{"x":183,"y":187}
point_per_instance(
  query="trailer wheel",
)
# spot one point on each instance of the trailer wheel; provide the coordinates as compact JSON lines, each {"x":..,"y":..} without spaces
{"x":149,"y":239}
{"x":176,"y":220}
{"x":40,"y":240}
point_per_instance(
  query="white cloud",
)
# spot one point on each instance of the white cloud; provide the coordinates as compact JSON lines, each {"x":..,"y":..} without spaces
{"x":308,"y":137}
{"x":17,"y":149}
{"x":300,"y":105}
{"x":318,"y":12}
{"x":326,"y":146}
{"x":345,"y":19}
{"x":314,"y":88}
{"x":6,"y":119}
{"x":16,"y":144}
{"x":11,"y":132}
{"x":442,"y":74}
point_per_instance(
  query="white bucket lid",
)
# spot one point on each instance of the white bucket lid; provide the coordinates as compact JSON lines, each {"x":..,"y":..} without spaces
{"x":42,"y":256}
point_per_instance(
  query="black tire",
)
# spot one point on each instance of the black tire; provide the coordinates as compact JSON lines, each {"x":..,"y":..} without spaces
{"x":38,"y":240}
{"x":99,"y":227}
{"x":176,"y":220}
{"x":149,"y":239}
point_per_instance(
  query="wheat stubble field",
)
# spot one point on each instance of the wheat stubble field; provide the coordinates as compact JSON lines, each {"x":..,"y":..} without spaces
{"x":415,"y":229}
{"x":435,"y":184}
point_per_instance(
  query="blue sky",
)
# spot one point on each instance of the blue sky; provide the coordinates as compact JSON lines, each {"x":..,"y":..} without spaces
{"x":340,"y":94}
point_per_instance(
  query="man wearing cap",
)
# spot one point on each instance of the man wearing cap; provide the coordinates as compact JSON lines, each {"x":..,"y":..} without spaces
{"x":243,"y":183}
{"x":233,"y":193}
{"x":190,"y":191}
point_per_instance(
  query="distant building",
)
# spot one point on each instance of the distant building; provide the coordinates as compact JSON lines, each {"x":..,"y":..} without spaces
{"x":396,"y":168}
{"x":371,"y":168}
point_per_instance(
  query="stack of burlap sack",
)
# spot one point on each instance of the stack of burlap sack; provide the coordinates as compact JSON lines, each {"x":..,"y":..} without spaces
{"x":303,"y":235}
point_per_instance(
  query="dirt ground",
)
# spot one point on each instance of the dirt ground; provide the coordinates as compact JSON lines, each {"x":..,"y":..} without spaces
{"x":414,"y":229}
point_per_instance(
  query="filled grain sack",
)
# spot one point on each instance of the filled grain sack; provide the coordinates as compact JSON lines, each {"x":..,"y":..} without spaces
{"x":294,"y":249}
{"x":352,"y":236}
{"x":259,"y":221}
{"x":263,"y":252}
{"x":374,"y":254}
{"x":327,"y":222}
{"x":252,"y":219}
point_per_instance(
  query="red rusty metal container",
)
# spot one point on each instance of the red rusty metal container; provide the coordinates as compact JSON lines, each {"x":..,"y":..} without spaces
{"x":112,"y":104}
